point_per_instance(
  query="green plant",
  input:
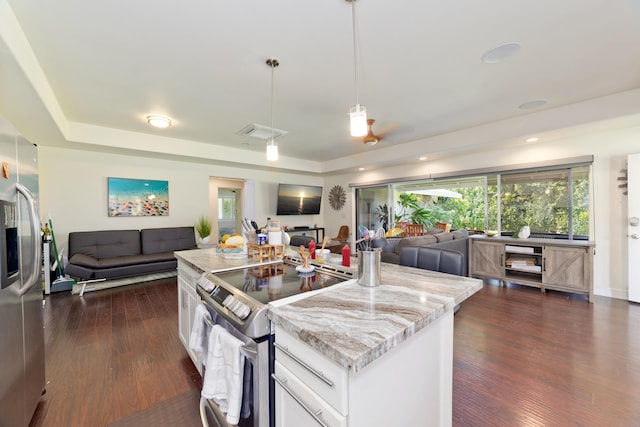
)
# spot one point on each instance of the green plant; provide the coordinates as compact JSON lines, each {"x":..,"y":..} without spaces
{"x":407,"y":203}
{"x":382,"y":212}
{"x":203,"y":227}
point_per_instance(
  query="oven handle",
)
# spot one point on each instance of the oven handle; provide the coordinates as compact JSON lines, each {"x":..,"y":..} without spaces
{"x":313,"y":414}
{"x":246,"y":351}
{"x":295,"y":358}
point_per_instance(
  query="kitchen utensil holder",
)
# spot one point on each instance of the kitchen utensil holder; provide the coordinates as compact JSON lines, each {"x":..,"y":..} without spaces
{"x":369,"y":268}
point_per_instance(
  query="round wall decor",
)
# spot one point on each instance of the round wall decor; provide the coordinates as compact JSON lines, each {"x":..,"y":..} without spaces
{"x":337,"y":197}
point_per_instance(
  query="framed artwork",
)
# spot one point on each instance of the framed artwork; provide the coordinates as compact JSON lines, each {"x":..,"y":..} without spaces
{"x":138,"y":197}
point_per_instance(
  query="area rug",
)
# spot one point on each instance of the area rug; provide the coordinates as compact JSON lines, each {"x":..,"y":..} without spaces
{"x":96,"y":286}
{"x":180,"y":411}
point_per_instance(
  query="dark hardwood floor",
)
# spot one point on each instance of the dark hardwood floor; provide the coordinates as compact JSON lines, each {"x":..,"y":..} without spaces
{"x":112,"y":353}
{"x":521,"y":358}
{"x":524,"y":358}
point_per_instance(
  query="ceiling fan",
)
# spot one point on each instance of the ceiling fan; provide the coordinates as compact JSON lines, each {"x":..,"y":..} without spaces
{"x":370,"y":138}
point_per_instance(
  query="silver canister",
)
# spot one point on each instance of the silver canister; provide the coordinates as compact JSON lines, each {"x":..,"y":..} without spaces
{"x":369,"y":268}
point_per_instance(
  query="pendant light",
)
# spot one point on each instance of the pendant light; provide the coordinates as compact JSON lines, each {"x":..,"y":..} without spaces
{"x":357,"y":114}
{"x":272,"y":146}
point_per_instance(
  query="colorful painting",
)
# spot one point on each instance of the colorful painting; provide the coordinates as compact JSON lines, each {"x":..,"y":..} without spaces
{"x":138,"y":197}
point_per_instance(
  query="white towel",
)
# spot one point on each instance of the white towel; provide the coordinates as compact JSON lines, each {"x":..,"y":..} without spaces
{"x":198,"y":341}
{"x":224,"y":373}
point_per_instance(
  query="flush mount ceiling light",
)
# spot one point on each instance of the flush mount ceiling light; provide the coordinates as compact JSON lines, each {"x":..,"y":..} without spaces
{"x":272,"y":145}
{"x":159,"y":121}
{"x":357,"y":113}
{"x":500,"y":53}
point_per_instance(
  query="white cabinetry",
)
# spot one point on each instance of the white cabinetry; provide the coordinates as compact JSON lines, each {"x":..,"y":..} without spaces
{"x":188,"y":299}
{"x":409,"y":385}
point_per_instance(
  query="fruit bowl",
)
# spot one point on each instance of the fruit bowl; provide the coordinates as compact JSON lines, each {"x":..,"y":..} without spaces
{"x":491,"y":233}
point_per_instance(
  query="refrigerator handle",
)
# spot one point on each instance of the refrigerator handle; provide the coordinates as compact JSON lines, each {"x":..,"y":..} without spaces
{"x":35,"y":235}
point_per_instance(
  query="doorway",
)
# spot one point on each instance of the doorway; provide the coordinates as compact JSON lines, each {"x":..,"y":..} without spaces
{"x":229,"y":203}
{"x":226,"y":206}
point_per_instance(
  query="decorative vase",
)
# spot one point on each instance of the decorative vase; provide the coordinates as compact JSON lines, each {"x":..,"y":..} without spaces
{"x":369,"y":268}
{"x":204,"y":240}
{"x":524,"y":232}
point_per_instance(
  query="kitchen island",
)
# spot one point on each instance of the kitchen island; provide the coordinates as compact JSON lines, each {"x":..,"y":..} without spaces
{"x":354,"y":355}
{"x":359,"y":356}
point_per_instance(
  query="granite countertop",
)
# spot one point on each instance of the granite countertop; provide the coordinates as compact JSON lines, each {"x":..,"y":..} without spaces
{"x":353,"y":325}
{"x":210,"y":261}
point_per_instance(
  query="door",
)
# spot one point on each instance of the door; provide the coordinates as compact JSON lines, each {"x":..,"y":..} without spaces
{"x":633,"y":225}
{"x":486,"y":259}
{"x":22,"y":336}
{"x":228,"y":218}
{"x":30,"y":269}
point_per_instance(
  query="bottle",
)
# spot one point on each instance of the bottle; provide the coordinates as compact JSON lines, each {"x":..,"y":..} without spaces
{"x":47,"y":232}
{"x":312,"y":249}
{"x":346,"y":256}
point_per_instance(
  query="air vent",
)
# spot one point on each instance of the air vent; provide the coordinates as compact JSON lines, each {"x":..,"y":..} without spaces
{"x":255,"y":130}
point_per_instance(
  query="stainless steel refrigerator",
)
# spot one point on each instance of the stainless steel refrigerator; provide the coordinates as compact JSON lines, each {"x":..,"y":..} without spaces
{"x":22,"y":377}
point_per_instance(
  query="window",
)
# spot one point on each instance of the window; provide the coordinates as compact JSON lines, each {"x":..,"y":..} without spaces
{"x":459,"y":202}
{"x":227,"y":207}
{"x":552,"y":201}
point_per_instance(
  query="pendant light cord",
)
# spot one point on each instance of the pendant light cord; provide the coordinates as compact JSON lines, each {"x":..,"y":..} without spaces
{"x":272,"y":63}
{"x":355,"y":48}
{"x":272,"y":80}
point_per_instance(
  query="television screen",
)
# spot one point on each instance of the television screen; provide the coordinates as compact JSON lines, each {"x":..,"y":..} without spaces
{"x":296,"y":199}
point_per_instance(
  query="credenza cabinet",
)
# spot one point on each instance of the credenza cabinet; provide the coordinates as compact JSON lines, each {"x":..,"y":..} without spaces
{"x":563,"y":265}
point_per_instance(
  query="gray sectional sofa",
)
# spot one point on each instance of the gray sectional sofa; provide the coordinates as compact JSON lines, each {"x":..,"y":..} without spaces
{"x":115,"y":254}
{"x":457,"y":240}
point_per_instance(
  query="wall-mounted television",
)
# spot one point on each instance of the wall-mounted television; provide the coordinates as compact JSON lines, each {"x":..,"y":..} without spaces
{"x":294,"y":199}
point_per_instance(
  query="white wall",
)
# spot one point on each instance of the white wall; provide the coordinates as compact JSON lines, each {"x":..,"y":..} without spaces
{"x":73,"y":190}
{"x":609,"y":148}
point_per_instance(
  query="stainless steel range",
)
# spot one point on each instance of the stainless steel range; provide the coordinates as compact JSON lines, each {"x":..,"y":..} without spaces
{"x":238,"y":301}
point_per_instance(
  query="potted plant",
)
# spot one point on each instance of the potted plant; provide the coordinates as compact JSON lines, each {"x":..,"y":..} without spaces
{"x":382,"y":212}
{"x":203,"y":228}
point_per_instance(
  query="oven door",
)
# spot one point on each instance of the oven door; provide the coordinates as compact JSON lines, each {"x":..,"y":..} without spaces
{"x":257,"y":385}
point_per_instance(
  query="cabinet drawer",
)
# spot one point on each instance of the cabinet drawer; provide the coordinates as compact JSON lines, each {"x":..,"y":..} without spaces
{"x":295,"y":403}
{"x":320,"y":374}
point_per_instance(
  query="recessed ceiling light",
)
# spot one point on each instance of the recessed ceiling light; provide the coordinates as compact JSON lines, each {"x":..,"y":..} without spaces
{"x":500,"y":53}
{"x":360,"y":169}
{"x":159,"y":121}
{"x":532,"y":104}
{"x":423,"y":158}
{"x":532,"y":139}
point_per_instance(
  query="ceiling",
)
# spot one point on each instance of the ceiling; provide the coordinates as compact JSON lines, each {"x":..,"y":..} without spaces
{"x":101,"y":67}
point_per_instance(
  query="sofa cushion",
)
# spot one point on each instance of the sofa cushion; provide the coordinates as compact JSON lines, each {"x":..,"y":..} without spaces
{"x":415,"y":241}
{"x":459,"y":234}
{"x":430,"y":258}
{"x":105,"y":244}
{"x":118,"y":261}
{"x":443,"y":237}
{"x":158,"y":240}
{"x":432,"y":230}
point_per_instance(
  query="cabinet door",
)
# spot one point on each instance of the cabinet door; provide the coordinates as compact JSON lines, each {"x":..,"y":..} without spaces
{"x":297,"y":405}
{"x":486,"y":259}
{"x":187,"y":301}
{"x":183,"y":313}
{"x":567,"y":267}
